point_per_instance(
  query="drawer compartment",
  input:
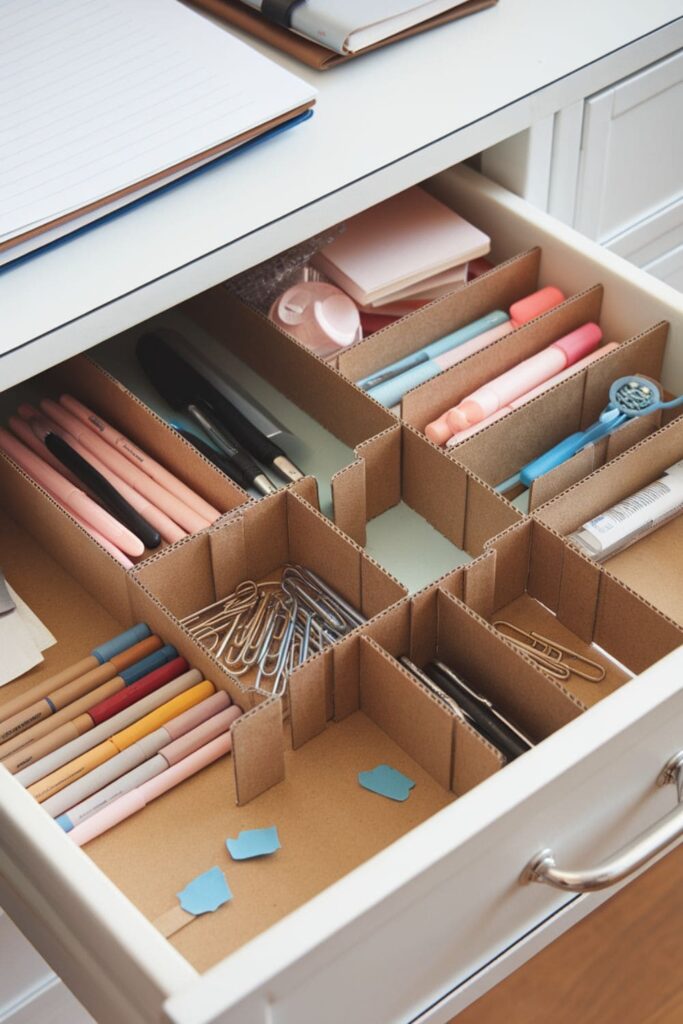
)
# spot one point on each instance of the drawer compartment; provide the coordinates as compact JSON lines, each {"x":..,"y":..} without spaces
{"x":399,"y":916}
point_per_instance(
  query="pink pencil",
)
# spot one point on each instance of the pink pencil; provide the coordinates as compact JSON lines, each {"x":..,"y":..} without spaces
{"x":519,"y":402}
{"x":133,"y":475}
{"x":139,"y":458}
{"x":138,"y":799}
{"x":71,"y":497}
{"x":161,"y":522}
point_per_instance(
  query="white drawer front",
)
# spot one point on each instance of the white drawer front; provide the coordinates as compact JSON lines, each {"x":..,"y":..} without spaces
{"x":22,"y":970}
{"x":447,"y":898}
{"x":400,"y":931}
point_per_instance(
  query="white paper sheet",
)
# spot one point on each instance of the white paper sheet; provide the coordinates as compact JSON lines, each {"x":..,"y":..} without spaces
{"x":98,"y":95}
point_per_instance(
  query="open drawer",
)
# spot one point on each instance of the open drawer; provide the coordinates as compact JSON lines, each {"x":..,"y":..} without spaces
{"x":396,"y":934}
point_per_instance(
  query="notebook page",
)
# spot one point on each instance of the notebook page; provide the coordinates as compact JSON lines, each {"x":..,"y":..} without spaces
{"x":98,"y":95}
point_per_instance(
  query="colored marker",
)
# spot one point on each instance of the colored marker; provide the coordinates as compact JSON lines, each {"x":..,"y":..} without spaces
{"x":137,"y":799}
{"x":522,"y":378}
{"x":58,"y":698}
{"x":125,"y":749}
{"x":73,"y":748}
{"x":147,"y":769}
{"x":101,"y":655}
{"x":442,"y":428}
{"x":77,"y":707}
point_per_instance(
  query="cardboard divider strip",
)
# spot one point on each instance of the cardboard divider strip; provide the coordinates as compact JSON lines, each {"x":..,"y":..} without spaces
{"x":308,"y":381}
{"x":502,"y":448}
{"x":497,"y":289}
{"x":100,"y":391}
{"x":428,"y":401}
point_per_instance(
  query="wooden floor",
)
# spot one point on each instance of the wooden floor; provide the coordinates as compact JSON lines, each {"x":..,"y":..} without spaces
{"x":623,"y":964}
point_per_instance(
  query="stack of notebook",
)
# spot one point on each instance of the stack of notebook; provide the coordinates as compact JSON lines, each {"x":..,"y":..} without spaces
{"x":402,"y":253}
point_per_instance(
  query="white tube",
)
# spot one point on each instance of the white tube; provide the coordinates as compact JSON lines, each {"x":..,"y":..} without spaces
{"x":632,"y":518}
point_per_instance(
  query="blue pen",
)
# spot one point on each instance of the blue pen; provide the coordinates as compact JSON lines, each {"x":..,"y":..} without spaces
{"x":629,"y":397}
{"x":434,"y":348}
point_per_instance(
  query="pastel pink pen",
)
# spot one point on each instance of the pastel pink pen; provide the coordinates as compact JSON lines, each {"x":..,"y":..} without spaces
{"x":180,"y":513}
{"x":24,"y":432}
{"x":139,"y":458}
{"x":169,"y":530}
{"x":71,"y":497}
{"x":519,"y":402}
{"x":138,"y":799}
{"x":526,"y":375}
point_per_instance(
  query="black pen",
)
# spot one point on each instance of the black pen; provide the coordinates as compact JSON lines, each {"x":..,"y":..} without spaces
{"x":162,"y":362}
{"x":178,"y":384}
{"x":219,"y":460}
{"x":112,"y":499}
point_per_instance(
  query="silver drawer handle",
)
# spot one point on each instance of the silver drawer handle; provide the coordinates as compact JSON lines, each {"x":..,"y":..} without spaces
{"x":626,"y":861}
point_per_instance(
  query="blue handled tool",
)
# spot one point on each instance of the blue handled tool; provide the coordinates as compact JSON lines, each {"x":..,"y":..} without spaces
{"x":629,"y":397}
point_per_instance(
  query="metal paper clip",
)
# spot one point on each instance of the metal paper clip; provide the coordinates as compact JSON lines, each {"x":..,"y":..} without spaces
{"x":555,"y":658}
{"x":271,"y":628}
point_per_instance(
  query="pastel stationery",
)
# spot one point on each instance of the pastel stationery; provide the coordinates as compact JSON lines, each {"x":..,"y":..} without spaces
{"x":104,"y":654}
{"x":69,"y":496}
{"x":140,"y":730}
{"x":433,"y":349}
{"x":58,"y":698}
{"x":177,"y":510}
{"x":169,"y":530}
{"x":138,"y":799}
{"x":141,"y":764}
{"x":629,"y":397}
{"x":526,"y":375}
{"x":319,"y":315}
{"x":253,"y":842}
{"x":388,"y":385}
{"x":392,"y":391}
{"x":387,"y":781}
{"x":440,"y":427}
{"x":203,"y":895}
{"x":98,"y":733}
{"x":396,"y":243}
{"x":150,"y":466}
{"x":72,"y":711}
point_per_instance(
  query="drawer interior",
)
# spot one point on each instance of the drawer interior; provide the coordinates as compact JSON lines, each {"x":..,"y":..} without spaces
{"x":412,"y":535}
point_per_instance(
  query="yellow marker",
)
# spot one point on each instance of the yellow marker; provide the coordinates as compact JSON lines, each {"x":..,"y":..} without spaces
{"x":91,"y":759}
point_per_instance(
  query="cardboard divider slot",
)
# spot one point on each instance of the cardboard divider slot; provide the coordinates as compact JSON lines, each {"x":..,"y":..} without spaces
{"x":106,"y":396}
{"x":652,"y":566}
{"x":402,"y":466}
{"x":501,"y":449}
{"x":531,"y":578}
{"x":428,"y":401}
{"x":499,"y":288}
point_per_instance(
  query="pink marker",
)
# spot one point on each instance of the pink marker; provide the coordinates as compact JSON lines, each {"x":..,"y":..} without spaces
{"x":139,"y":458}
{"x":138,"y":799}
{"x":519,"y":402}
{"x":522,"y":378}
{"x":24,"y":432}
{"x":74,"y":499}
{"x":154,"y":516}
{"x":185,"y":517}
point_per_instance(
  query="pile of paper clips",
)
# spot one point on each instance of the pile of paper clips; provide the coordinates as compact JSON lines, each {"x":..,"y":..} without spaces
{"x":561,"y":662}
{"x":271,"y":628}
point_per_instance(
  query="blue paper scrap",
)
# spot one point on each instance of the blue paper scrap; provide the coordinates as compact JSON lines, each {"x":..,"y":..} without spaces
{"x":253,"y":842}
{"x":205,"y":893}
{"x":387,"y":782}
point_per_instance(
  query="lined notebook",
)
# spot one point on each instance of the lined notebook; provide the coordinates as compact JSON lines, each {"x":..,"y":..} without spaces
{"x":104,"y":100}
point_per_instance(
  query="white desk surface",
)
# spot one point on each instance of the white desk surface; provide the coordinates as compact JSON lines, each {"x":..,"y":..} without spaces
{"x":382,"y":123}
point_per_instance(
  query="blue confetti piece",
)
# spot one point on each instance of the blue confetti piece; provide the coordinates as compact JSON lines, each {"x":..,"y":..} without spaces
{"x":205,"y":893}
{"x":387,"y":782}
{"x":253,"y":842}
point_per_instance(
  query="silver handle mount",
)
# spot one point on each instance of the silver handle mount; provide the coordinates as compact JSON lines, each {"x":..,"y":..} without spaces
{"x":628,"y":860}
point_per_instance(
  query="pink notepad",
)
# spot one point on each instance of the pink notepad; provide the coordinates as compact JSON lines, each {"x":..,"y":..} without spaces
{"x":405,"y":239}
